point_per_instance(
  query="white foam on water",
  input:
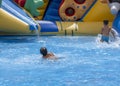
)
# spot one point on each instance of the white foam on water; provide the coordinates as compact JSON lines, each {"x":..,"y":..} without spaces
{"x":114,"y":42}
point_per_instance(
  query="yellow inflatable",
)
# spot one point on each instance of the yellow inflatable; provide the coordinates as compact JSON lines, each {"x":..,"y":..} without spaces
{"x":74,"y":9}
{"x":80,"y":17}
{"x":91,"y":22}
{"x":42,"y":10}
{"x":85,"y":10}
{"x":10,"y":24}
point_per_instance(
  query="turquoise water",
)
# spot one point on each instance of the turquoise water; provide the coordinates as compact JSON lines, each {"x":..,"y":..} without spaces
{"x":82,"y":62}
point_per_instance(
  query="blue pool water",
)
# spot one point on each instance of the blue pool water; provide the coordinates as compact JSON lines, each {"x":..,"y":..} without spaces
{"x":82,"y":62}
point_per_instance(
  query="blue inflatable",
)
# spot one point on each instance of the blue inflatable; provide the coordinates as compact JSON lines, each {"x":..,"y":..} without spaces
{"x":116,"y":23}
{"x":115,"y":9}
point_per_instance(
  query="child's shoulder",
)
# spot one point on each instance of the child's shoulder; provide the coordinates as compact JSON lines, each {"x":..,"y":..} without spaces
{"x":110,"y":27}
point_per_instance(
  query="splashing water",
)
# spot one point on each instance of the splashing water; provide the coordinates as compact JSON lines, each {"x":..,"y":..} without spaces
{"x":83,"y":63}
{"x":37,"y":32}
{"x":114,"y":40}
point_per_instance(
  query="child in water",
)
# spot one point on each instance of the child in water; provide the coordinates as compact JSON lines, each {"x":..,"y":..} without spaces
{"x":105,"y":31}
{"x":47,"y":55}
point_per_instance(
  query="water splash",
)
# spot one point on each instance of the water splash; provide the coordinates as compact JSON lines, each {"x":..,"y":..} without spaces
{"x":113,"y":35}
{"x":37,"y":32}
{"x":114,"y":40}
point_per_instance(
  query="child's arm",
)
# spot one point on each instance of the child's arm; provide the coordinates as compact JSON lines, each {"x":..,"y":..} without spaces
{"x":102,"y":31}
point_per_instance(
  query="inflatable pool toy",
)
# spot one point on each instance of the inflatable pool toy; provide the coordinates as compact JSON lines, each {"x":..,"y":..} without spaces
{"x":31,"y":6}
{"x":20,"y":2}
{"x":74,"y":9}
{"x":53,"y":17}
{"x":115,"y":9}
{"x":42,"y":10}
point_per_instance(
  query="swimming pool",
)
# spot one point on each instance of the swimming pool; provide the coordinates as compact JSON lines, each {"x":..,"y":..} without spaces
{"x":82,"y":62}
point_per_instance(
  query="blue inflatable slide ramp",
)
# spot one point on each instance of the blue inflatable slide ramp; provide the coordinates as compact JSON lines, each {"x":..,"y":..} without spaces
{"x":48,"y":26}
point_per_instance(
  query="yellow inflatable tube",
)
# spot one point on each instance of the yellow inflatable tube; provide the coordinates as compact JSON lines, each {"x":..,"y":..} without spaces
{"x":77,"y":28}
{"x":98,"y":12}
{"x":11,"y":24}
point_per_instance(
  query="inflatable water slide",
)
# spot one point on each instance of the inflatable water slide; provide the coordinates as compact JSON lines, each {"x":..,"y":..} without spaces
{"x":14,"y":20}
{"x":53,"y":17}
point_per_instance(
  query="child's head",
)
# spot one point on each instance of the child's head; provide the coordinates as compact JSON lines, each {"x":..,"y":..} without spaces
{"x":43,"y":51}
{"x":105,"y":22}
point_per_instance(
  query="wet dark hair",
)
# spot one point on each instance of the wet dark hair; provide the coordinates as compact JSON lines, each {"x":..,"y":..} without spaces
{"x":43,"y":51}
{"x":105,"y":22}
